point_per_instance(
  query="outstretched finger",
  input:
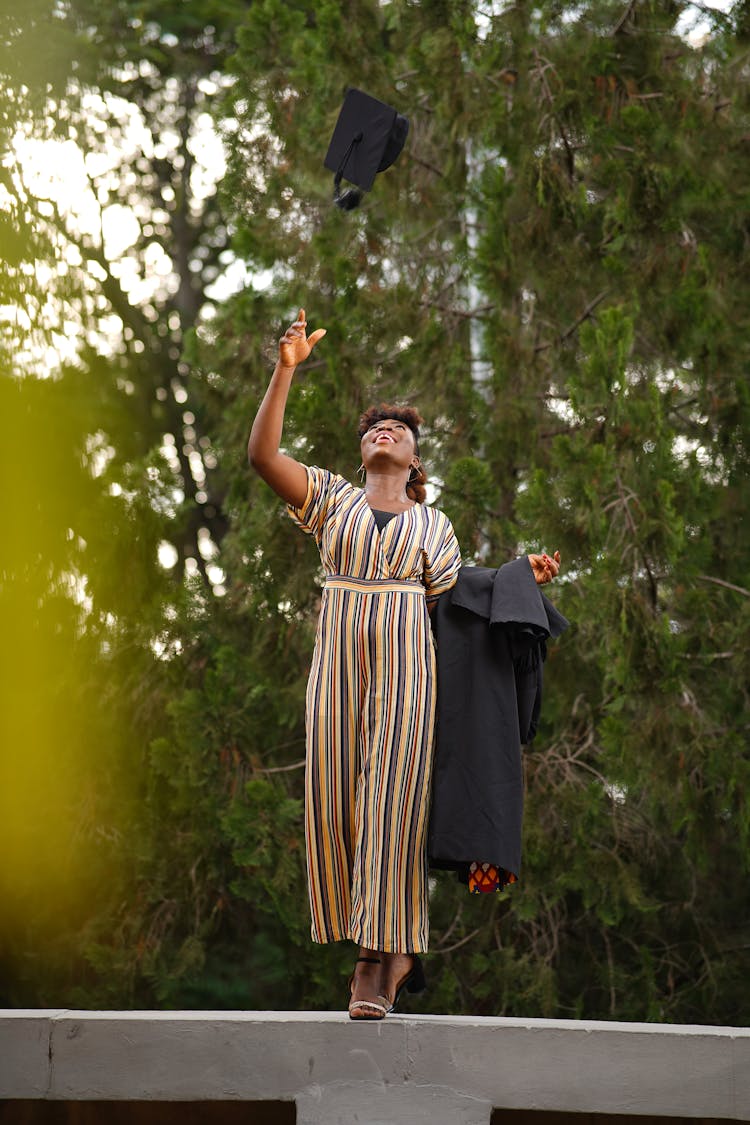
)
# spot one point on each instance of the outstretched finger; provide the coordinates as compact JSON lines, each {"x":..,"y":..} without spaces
{"x":301,"y":316}
{"x":318,"y":334}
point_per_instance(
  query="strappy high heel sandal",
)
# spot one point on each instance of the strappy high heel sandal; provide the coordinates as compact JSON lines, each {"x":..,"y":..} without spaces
{"x":375,"y":1009}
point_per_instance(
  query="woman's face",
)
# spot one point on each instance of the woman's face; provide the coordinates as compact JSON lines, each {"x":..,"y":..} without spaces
{"x":388,"y":442}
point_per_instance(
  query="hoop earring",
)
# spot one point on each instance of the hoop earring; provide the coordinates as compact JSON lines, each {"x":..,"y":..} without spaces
{"x":361,"y":472}
{"x":414,"y":469}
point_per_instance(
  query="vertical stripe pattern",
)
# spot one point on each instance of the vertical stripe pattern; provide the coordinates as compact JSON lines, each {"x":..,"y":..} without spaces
{"x":370,"y":715}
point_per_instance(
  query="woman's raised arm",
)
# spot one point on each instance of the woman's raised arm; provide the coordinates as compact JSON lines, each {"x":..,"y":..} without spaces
{"x":286,"y":476}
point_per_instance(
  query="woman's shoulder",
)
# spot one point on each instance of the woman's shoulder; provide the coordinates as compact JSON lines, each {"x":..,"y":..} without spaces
{"x":327,"y":478}
{"x":334,"y":490}
{"x":437,"y":525}
{"x":436,"y":515}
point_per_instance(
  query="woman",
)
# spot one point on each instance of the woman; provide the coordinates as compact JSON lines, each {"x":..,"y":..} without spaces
{"x":371,"y":691}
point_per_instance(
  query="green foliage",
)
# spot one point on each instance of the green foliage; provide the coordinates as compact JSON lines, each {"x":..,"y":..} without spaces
{"x":568,"y":221}
{"x":266,"y":829}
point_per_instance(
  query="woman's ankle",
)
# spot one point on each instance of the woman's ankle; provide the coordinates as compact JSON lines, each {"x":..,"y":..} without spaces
{"x":396,"y":966}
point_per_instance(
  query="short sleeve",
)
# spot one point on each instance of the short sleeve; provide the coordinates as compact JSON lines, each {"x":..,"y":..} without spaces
{"x":311,"y":514}
{"x":443,"y":560}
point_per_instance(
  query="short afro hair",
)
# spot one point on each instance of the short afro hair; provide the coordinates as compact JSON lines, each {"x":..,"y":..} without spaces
{"x":407,"y":414}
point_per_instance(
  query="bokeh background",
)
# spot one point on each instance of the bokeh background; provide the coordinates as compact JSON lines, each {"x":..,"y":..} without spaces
{"x":556,"y":273}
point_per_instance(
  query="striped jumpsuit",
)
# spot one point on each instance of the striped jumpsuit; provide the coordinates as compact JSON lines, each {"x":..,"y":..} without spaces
{"x":370,"y":713}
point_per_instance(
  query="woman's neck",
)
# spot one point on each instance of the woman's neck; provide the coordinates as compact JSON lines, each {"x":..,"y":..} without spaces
{"x":387,"y":492}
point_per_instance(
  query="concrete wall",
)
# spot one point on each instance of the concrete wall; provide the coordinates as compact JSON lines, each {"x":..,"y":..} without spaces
{"x":410,"y":1070}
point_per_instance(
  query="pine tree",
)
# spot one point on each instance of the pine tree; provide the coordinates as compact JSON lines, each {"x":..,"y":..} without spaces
{"x":592,"y":152}
{"x":554,"y":272}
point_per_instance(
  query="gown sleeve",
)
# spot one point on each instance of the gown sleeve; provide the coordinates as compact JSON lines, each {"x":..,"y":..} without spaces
{"x":442,"y":560}
{"x":311,"y":514}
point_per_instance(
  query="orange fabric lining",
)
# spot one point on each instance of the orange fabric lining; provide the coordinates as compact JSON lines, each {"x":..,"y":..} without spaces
{"x":486,"y":879}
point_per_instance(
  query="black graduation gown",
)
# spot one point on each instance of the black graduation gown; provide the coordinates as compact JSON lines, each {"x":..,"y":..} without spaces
{"x":491,"y":631}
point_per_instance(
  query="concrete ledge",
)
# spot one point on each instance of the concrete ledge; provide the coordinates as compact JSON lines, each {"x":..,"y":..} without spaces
{"x":410,"y":1069}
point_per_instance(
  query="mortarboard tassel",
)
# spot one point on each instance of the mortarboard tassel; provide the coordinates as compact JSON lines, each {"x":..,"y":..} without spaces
{"x":352,"y":197}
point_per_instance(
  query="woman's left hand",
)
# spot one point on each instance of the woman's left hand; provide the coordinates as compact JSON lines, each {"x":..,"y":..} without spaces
{"x":545,"y":568}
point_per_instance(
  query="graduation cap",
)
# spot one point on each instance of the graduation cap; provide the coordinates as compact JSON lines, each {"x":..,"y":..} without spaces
{"x":368,"y":137}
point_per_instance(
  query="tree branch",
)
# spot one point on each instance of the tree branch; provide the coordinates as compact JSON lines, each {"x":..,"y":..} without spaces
{"x":283,"y":769}
{"x":619,"y":26}
{"x":426,"y":164}
{"x":463,"y":941}
{"x":476,"y":313}
{"x":551,"y":101}
{"x":727,"y":585}
{"x":568,"y":332}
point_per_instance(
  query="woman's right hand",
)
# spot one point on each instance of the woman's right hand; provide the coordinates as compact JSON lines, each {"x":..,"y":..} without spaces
{"x":294,"y":345}
{"x":545,"y":568}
